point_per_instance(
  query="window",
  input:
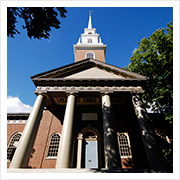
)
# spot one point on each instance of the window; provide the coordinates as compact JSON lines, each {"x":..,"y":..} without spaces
{"x":89,"y":40}
{"x":124,"y":145}
{"x":12,"y":146}
{"x":90,"y":55}
{"x":54,"y":145}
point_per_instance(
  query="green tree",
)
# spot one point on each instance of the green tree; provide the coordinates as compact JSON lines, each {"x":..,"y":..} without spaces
{"x":154,"y":59}
{"x":38,"y":20}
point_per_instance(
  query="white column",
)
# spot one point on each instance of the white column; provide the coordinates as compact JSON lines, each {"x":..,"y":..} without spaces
{"x":79,"y":150}
{"x":151,"y":145}
{"x":111,"y":152}
{"x":64,"y":152}
{"x":23,"y":152}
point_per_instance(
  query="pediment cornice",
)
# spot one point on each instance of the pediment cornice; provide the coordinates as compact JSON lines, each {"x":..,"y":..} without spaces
{"x":58,"y":74}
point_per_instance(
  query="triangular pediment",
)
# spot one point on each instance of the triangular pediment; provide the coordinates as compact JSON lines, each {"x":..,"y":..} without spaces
{"x":89,"y":69}
{"x":93,"y":73}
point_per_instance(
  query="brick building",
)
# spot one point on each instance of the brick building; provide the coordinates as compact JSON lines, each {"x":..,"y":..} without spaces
{"x":87,"y":114}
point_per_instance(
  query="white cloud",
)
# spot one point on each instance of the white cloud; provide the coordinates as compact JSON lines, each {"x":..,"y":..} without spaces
{"x":14,"y":105}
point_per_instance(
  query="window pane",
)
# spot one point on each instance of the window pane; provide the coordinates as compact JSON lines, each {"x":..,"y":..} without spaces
{"x":124,"y":145}
{"x":12,"y":146}
{"x":90,"y":55}
{"x":89,"y":40}
{"x":54,"y":145}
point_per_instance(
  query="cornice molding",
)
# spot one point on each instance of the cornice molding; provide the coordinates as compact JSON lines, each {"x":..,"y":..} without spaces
{"x":112,"y":89}
{"x":89,"y":46}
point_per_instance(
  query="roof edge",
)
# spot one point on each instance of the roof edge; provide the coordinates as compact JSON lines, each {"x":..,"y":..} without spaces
{"x":99,"y":64}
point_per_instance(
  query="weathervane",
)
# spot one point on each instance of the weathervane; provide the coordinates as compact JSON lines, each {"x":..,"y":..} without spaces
{"x":90,"y":12}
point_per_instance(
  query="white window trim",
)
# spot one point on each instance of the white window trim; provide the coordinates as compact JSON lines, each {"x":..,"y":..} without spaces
{"x":126,"y":134}
{"x":52,"y":157}
{"x":90,"y":52}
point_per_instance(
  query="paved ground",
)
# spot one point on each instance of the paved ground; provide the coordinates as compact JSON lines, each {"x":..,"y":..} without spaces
{"x":73,"y":170}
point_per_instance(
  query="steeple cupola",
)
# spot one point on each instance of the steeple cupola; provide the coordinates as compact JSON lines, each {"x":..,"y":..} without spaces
{"x":90,"y":45}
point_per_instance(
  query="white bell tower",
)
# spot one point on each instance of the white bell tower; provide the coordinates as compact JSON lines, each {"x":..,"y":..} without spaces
{"x":90,"y":45}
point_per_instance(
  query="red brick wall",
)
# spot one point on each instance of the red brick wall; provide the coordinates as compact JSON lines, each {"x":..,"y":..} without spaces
{"x":49,"y":124}
{"x":99,"y":55}
{"x":56,"y":127}
{"x":12,"y":129}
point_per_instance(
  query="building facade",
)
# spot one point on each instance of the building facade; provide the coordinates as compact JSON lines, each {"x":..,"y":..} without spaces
{"x":87,"y":114}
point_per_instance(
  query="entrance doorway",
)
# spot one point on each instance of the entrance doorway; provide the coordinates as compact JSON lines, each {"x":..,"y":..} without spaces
{"x":91,"y":150}
{"x":88,"y":151}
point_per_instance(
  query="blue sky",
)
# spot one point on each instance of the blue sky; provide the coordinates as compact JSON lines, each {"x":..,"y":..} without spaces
{"x":119,"y":27}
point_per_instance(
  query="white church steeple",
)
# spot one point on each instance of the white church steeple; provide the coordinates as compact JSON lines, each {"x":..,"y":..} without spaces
{"x":90,"y":44}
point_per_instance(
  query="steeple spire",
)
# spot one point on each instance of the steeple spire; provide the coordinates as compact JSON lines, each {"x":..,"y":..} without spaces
{"x":90,"y":22}
{"x":90,"y":45}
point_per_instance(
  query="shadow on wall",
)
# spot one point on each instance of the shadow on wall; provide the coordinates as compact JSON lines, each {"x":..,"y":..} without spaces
{"x":32,"y":153}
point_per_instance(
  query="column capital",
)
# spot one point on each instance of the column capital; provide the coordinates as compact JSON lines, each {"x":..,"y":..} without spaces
{"x":134,"y":93}
{"x":137,"y":100}
{"x":75,"y":93}
{"x":80,"y":136}
{"x":43,"y":94}
{"x":106,"y":100}
{"x":102,"y":93}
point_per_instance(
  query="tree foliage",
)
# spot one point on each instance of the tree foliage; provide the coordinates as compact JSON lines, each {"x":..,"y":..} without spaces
{"x":38,"y":20}
{"x":154,"y":59}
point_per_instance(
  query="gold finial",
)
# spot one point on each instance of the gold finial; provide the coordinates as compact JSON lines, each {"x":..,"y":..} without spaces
{"x":90,"y":13}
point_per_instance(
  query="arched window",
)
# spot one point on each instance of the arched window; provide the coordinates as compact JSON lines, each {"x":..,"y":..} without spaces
{"x":124,"y":145}
{"x":89,"y":40}
{"x":54,"y":145}
{"x":90,"y":55}
{"x":12,"y":146}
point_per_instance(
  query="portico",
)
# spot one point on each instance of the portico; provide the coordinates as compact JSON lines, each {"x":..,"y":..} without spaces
{"x":72,"y":97}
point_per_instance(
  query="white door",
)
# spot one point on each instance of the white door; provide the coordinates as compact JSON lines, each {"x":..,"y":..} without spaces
{"x":91,"y":154}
